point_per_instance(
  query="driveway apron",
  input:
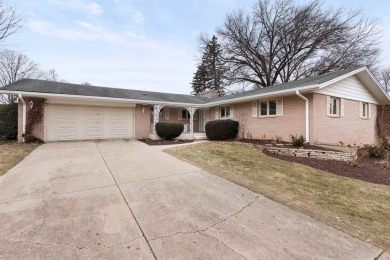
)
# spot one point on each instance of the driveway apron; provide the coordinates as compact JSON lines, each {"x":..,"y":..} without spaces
{"x":127,"y":200}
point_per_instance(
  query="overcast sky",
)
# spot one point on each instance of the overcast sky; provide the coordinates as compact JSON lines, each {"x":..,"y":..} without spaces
{"x":142,"y":44}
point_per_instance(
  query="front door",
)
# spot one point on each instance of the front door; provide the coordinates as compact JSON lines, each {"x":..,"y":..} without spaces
{"x":203,"y":119}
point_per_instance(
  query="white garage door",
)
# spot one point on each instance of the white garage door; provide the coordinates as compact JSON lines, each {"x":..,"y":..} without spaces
{"x":65,"y":122}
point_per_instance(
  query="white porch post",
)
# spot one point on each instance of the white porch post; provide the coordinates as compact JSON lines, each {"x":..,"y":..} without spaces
{"x":156,"y":113}
{"x":191,"y":111}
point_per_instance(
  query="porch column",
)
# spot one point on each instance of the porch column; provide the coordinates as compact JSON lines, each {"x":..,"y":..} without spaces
{"x":191,"y":111}
{"x":156,"y":112}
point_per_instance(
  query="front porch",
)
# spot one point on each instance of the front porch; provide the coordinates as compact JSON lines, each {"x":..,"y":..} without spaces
{"x":193,"y":119}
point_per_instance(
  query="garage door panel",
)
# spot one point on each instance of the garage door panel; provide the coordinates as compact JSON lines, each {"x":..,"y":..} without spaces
{"x":119,"y":123}
{"x":94,"y":123}
{"x":66,"y":136}
{"x":81,"y":122}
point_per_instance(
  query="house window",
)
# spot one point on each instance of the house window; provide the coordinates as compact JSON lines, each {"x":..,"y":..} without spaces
{"x":268,"y":108}
{"x":185,"y":114}
{"x":334,"y":106}
{"x":161,"y":115}
{"x":365,"y":108}
{"x":225,"y":112}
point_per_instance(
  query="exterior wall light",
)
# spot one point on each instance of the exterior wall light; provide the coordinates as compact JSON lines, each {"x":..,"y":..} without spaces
{"x":31,"y":103}
{"x":143,"y":110}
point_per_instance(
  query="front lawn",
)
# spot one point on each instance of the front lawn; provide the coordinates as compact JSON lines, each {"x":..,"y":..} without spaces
{"x":359,"y":208}
{"x":11,"y":153}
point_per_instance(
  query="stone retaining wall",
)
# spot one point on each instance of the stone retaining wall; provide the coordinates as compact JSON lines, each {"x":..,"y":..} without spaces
{"x":317,"y":154}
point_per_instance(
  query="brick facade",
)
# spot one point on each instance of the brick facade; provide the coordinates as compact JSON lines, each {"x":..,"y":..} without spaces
{"x":142,"y":121}
{"x":350,"y":129}
{"x":292,"y":122}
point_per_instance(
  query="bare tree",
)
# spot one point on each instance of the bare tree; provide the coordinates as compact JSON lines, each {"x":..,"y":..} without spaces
{"x":10,"y":20}
{"x":384,"y":78}
{"x":15,"y":66}
{"x":52,"y":75}
{"x":86,"y":83}
{"x":281,"y":41}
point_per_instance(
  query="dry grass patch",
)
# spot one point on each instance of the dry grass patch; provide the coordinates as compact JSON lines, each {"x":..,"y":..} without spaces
{"x":11,"y":153}
{"x":359,"y":208}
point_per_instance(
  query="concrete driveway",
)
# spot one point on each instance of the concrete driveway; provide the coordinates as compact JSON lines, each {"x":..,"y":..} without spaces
{"x":124,"y":199}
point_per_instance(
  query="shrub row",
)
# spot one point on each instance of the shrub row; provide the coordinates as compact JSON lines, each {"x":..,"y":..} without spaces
{"x":9,"y":121}
{"x":221,"y":129}
{"x":169,"y":130}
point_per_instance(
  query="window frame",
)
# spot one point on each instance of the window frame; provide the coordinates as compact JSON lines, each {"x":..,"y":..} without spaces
{"x":187,"y":117}
{"x":259,"y":112}
{"x":332,"y":105}
{"x":225,"y":109}
{"x":365,"y":110}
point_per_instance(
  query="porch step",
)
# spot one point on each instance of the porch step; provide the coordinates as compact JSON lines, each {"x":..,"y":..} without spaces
{"x":200,"y":136}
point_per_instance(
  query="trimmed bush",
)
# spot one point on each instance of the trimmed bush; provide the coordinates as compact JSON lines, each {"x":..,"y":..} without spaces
{"x":297,"y":141}
{"x":221,"y":129}
{"x":9,"y":121}
{"x":376,"y":151}
{"x":169,"y":130}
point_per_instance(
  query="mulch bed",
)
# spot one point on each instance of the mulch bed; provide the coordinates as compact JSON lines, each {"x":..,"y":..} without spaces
{"x":367,"y":169}
{"x":164,"y":142}
{"x":283,"y":144}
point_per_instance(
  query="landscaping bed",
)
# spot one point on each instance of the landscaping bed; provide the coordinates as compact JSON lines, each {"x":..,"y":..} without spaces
{"x":283,"y":144}
{"x":368,"y":169}
{"x":164,"y":142}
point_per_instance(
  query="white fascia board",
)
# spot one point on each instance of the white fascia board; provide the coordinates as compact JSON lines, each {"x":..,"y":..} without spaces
{"x":378,"y":84}
{"x":263,"y":95}
{"x":122,"y":100}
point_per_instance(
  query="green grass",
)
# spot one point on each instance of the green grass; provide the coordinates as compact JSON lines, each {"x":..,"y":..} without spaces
{"x":11,"y":153}
{"x":359,"y":208}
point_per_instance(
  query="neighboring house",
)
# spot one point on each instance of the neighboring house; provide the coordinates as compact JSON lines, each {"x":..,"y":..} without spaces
{"x":326,"y":109}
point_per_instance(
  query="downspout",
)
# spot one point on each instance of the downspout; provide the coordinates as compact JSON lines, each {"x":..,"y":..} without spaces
{"x":307,"y":114}
{"x":24,"y":115}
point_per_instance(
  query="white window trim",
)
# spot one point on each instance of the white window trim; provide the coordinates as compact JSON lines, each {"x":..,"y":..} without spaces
{"x":367,"y":112}
{"x":340,"y":106}
{"x":230,"y":112}
{"x":277,"y":114}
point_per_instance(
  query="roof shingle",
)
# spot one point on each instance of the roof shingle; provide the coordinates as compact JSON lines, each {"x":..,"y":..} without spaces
{"x":50,"y":87}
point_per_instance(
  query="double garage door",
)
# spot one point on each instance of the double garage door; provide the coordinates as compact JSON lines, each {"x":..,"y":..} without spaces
{"x":64,"y":122}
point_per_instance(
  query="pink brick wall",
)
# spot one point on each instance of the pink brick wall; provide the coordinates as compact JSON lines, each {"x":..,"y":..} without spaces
{"x":292,"y":121}
{"x":142,"y":122}
{"x":350,"y":129}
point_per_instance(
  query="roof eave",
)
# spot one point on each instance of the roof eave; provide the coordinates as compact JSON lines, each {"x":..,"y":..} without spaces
{"x":263,"y":95}
{"x":122,"y":100}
